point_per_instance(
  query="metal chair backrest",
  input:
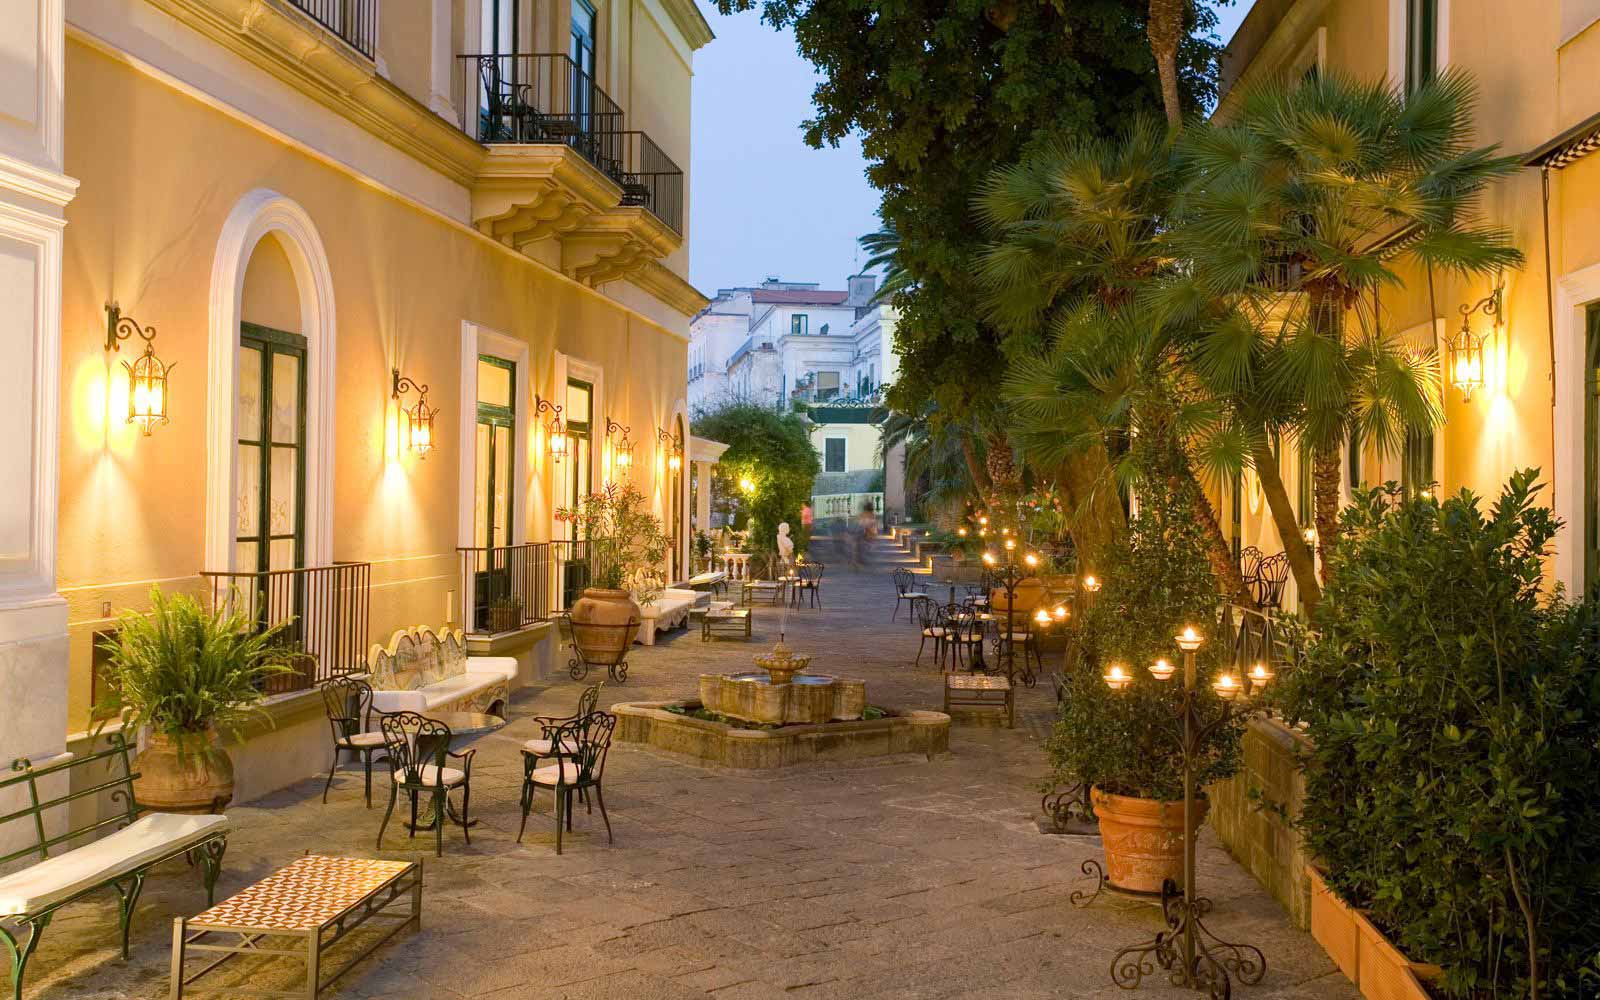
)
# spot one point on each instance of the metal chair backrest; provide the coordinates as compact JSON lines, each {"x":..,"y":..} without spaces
{"x":348,"y":702}
{"x":960,"y":619}
{"x":1250,"y":563}
{"x":413,"y":742}
{"x":810,"y":573}
{"x":590,"y":737}
{"x":902,"y":581}
{"x":928,"y":614}
{"x":588,"y":700}
{"x":1274,"y":573}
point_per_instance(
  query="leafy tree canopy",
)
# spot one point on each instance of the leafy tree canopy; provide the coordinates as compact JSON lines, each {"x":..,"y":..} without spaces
{"x":941,"y":92}
{"x":773,"y":451}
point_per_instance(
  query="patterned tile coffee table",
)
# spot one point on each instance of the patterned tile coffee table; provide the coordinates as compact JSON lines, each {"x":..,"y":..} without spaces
{"x":297,"y":913}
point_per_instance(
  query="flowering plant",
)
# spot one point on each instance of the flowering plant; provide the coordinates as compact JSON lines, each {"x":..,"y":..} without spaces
{"x":625,"y":542}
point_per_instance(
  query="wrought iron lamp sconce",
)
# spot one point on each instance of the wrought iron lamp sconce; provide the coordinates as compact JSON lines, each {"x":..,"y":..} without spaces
{"x":621,"y":448}
{"x":147,"y":375}
{"x":674,"y":449}
{"x":556,"y":428}
{"x":416,"y":431}
{"x":1465,"y":350}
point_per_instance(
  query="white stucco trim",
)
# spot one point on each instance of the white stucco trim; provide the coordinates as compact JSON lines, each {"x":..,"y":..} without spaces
{"x":256,"y":215}
{"x":1574,"y":292}
{"x":678,"y":424}
{"x":476,"y":340}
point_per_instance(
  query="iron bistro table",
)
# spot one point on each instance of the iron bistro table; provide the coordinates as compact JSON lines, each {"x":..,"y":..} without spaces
{"x":297,"y":912}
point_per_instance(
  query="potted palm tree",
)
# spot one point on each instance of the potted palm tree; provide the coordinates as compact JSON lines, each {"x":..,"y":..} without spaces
{"x":183,"y":675}
{"x":1124,"y":744}
{"x":625,"y":547}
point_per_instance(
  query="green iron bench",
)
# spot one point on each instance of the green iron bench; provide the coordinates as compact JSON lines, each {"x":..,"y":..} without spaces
{"x":30,"y":896}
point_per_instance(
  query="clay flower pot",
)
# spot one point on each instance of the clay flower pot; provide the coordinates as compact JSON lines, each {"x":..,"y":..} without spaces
{"x":199,"y":779}
{"x":601,"y":606}
{"x":1142,"y":839}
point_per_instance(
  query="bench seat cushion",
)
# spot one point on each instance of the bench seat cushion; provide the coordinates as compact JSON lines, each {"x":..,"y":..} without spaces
{"x":59,"y":877}
{"x":502,"y":667}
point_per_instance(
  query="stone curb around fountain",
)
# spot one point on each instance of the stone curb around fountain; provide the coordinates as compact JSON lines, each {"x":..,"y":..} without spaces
{"x":650,"y":722}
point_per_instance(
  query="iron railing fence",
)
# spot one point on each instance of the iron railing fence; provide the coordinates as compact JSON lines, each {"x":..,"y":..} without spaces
{"x":510,"y":587}
{"x":325,"y":612}
{"x":1256,"y":636}
{"x":354,"y":21}
{"x":539,"y":98}
{"x":650,"y":179}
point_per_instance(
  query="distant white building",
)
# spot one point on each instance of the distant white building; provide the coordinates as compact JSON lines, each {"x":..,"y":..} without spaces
{"x":790,"y":344}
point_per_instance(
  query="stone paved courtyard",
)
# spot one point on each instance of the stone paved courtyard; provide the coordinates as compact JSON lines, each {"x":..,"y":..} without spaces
{"x":897,"y":878}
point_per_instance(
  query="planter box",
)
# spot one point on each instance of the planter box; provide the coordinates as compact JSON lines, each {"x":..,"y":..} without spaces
{"x":1333,"y":925}
{"x":1361,"y":951}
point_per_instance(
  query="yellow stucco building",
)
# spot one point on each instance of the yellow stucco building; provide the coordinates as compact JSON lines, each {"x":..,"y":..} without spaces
{"x":1539,"y":99}
{"x":315,"y":210}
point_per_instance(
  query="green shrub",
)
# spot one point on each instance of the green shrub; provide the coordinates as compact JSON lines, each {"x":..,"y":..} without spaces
{"x":1158,"y":581}
{"x":1453,"y":710}
{"x":773,"y":450}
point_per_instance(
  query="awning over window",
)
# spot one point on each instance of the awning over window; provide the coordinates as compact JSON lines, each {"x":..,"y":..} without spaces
{"x":1568,"y":147}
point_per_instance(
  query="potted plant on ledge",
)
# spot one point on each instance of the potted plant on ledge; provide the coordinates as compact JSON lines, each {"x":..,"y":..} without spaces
{"x":184,"y":674}
{"x":625,"y":547}
{"x":1125,"y":744}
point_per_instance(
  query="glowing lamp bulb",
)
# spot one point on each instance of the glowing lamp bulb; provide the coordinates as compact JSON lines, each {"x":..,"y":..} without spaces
{"x":747,"y":484}
{"x":1311,"y":536}
{"x":1161,"y":670}
{"x":1042,"y":616}
{"x":1011,"y":543}
{"x":1226,"y":687}
{"x":1117,"y":678}
{"x":983,"y":519}
{"x":962,"y":532}
{"x":1189,"y":640}
{"x":1060,"y":612}
{"x":1260,"y":675}
{"x":988,"y":558}
{"x":1031,"y":559}
{"x":675,"y":463}
{"x":1091,"y":584}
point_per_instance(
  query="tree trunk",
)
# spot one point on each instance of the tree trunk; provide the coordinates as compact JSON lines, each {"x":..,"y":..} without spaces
{"x":1096,"y":518}
{"x":1230,"y":580}
{"x":1004,"y":478}
{"x":1165,"y":29}
{"x":1326,"y":477}
{"x":1302,"y":561}
{"x":975,"y":470}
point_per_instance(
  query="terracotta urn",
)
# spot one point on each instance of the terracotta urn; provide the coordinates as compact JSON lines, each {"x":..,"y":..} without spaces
{"x":196,"y":778}
{"x":603,"y":606}
{"x":1030,"y":593}
{"x":1142,"y":838}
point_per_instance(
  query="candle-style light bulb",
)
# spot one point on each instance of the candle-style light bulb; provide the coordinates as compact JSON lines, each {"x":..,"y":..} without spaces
{"x":1226,"y":687}
{"x":1011,"y":543}
{"x":1117,"y":678}
{"x":988,"y":558}
{"x":1189,"y":640}
{"x":1060,"y":612}
{"x":1091,"y":584}
{"x":962,"y":532}
{"x":1161,"y":670}
{"x":1042,"y":616}
{"x":1260,"y":675}
{"x":1031,"y":559}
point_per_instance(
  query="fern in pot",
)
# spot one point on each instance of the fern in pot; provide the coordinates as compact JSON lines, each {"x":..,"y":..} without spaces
{"x":185,"y":675}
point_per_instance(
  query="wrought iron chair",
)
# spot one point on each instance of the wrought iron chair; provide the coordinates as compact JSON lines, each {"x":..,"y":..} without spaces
{"x":418,"y":749}
{"x":1250,"y":565}
{"x":348,"y":702}
{"x":1273,"y":574}
{"x":595,"y":645}
{"x":546,"y":747}
{"x":764,"y":582}
{"x":1023,"y":637}
{"x":963,"y":632}
{"x":931,"y":621}
{"x":584,"y":769}
{"x":908,"y":590}
{"x":809,"y":584}
{"x":978,"y":593}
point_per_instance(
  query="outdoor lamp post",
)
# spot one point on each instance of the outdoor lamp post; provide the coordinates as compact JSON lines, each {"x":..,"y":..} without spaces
{"x":147,"y":375}
{"x":1008,"y":578}
{"x":1195,"y":957}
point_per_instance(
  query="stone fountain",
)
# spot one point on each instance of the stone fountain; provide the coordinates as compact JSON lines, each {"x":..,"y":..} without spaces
{"x":782,"y":693}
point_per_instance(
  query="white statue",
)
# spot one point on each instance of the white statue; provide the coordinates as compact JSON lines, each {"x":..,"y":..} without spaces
{"x":785,"y":544}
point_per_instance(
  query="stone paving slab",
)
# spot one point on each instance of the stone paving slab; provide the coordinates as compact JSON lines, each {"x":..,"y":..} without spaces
{"x":897,"y":878}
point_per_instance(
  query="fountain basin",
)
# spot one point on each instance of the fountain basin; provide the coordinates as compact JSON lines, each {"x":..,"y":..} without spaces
{"x":806,"y":698}
{"x":649,"y":722}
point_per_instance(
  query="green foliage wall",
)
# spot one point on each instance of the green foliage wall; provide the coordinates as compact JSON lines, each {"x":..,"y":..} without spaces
{"x":774,"y":450}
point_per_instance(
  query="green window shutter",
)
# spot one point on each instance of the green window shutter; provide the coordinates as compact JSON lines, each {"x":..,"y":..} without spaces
{"x":1591,"y":452}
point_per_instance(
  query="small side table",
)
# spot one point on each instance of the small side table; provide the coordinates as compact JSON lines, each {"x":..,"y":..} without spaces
{"x":297,"y":912}
{"x":725,"y":621}
{"x":981,"y":691}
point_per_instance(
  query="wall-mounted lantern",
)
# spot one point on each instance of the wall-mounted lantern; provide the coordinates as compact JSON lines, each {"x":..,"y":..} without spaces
{"x":147,"y":375}
{"x":673,"y":448}
{"x":556,"y":428}
{"x":1465,"y":351}
{"x":416,"y":430}
{"x":621,"y":447}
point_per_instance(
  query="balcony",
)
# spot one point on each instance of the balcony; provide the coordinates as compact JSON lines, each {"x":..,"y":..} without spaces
{"x":324,"y":612}
{"x":511,"y":587}
{"x":354,"y":21}
{"x":562,"y":163}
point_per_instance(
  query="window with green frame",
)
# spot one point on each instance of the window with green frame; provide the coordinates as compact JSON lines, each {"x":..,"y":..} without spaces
{"x":1353,"y":461}
{"x":494,"y":483}
{"x":1305,"y":482}
{"x":1416,"y":461}
{"x":270,"y":451}
{"x":1591,"y":452}
{"x":1422,"y":42}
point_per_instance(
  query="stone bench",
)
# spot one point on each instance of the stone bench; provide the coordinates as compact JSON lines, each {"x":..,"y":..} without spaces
{"x":980,"y":691}
{"x":30,"y":897}
{"x":422,"y":670}
{"x":669,"y":610}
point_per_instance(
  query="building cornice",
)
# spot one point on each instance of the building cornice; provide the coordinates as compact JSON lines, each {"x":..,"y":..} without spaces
{"x":687,"y":18}
{"x":292,"y":47}
{"x":671,"y":288}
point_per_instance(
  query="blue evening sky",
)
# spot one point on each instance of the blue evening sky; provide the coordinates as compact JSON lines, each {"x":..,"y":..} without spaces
{"x":762,"y":202}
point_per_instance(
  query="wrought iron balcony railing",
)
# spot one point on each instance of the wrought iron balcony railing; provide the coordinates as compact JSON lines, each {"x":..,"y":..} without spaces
{"x":355,"y":21}
{"x":650,"y":179}
{"x":510,"y":587}
{"x":324,"y":611}
{"x":540,"y":98}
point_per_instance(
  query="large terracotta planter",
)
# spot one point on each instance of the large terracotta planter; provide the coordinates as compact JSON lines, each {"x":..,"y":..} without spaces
{"x":198,"y":780}
{"x":1333,"y":925}
{"x":601,"y":606}
{"x":1142,"y":839}
{"x":1030,"y":594}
